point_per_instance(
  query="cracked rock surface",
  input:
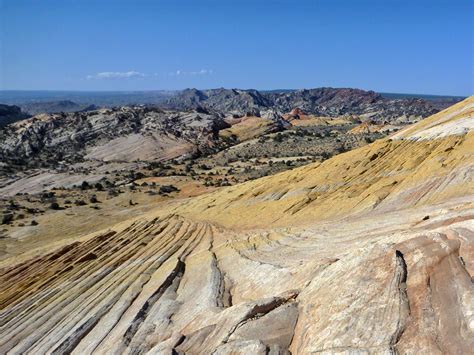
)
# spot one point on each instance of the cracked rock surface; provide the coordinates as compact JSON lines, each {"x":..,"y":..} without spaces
{"x":346,"y":266}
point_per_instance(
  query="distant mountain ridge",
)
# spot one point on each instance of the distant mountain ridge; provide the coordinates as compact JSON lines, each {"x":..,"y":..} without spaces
{"x":10,"y":114}
{"x":329,"y":102}
{"x":325,"y":101}
{"x":56,"y":106}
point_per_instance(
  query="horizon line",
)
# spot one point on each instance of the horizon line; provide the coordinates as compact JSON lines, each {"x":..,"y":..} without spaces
{"x":228,"y":88}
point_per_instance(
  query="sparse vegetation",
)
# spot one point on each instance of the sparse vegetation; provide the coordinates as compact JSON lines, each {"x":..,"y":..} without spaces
{"x":54,"y":206}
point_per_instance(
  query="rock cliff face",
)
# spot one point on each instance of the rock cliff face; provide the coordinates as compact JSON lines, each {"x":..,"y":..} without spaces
{"x":368,"y":252}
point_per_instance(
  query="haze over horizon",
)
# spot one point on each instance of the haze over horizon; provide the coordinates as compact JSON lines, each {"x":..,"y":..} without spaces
{"x":419,"y":47}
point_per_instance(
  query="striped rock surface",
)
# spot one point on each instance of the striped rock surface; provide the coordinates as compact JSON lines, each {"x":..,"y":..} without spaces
{"x":369,"y":252}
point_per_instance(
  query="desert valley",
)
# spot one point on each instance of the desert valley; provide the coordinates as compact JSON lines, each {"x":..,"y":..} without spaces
{"x":220,"y":225}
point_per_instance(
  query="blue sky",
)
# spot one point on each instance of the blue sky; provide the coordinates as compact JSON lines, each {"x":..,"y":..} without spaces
{"x":411,"y":46}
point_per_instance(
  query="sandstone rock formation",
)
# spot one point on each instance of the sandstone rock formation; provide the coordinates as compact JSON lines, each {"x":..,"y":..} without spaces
{"x":368,"y":252}
{"x":329,"y":102}
{"x":251,"y":127}
{"x":121,"y":134}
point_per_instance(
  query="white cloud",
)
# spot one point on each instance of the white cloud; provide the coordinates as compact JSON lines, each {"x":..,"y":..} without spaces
{"x":117,"y":75}
{"x":191,"y":73}
{"x":111,"y":75}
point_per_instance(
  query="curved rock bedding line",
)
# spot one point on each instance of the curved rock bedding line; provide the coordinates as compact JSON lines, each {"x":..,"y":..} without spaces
{"x":172,"y":284}
{"x":131,"y":291}
{"x":394,"y":278}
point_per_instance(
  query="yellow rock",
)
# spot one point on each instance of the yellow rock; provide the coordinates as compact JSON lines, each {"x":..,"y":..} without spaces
{"x":368,"y":252}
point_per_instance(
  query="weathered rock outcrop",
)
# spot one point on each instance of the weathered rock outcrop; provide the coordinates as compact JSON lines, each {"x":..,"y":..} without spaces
{"x":329,"y":102}
{"x":220,"y":100}
{"x":369,"y":252}
{"x":122,"y":134}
